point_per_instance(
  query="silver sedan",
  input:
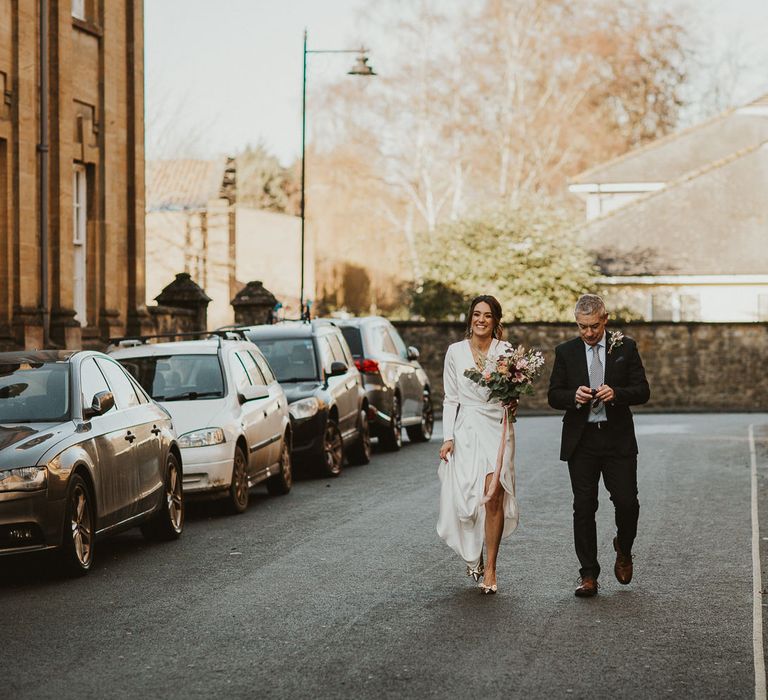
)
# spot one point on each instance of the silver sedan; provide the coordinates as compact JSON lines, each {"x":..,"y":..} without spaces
{"x":84,"y":453}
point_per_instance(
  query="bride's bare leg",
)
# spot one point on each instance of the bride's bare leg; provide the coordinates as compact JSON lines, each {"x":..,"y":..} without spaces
{"x":494,"y":525}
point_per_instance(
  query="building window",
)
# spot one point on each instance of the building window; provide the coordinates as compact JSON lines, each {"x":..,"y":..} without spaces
{"x":80,"y":220}
{"x":78,"y":9}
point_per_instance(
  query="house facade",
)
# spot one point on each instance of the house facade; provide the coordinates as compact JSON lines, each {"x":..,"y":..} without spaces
{"x":71,"y":172}
{"x":680,"y":226}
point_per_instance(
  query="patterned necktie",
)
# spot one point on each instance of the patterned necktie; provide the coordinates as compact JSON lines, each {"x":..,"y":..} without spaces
{"x":596,"y":378}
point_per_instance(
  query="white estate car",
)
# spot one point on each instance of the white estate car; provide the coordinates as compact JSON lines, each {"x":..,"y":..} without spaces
{"x":228,"y":410}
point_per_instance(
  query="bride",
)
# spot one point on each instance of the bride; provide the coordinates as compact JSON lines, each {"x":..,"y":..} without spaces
{"x":472,"y":432}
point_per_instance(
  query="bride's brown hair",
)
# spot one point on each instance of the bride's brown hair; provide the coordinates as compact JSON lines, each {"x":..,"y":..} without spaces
{"x":493,"y":302}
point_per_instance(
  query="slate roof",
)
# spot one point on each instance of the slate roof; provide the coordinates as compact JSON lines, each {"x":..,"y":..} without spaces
{"x":713,"y":221}
{"x":174,"y":185}
{"x":672,"y":156}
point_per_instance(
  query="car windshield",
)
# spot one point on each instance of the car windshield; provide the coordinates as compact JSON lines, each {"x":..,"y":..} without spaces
{"x":178,"y":377}
{"x":291,"y":359}
{"x":354,"y":340}
{"x":34,"y":393}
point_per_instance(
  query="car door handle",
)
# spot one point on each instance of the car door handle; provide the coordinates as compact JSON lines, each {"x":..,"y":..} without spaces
{"x":155,"y":430}
{"x":130,"y":436}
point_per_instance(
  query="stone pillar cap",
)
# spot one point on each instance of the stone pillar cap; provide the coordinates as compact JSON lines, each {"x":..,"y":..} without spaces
{"x":254,"y":294}
{"x":183,"y":290}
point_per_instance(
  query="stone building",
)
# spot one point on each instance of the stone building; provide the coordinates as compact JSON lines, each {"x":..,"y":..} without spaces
{"x":196,"y":225}
{"x":71,"y":172}
{"x":191,"y":228}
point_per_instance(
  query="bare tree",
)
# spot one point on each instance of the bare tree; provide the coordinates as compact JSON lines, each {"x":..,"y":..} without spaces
{"x":500,"y":102}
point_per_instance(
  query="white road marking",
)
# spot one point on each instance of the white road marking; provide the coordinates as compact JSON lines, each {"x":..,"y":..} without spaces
{"x":757,"y":585}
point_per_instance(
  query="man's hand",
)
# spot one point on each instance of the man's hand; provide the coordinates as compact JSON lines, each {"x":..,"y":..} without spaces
{"x":583,"y":395}
{"x":605,"y":394}
{"x":446,"y":449}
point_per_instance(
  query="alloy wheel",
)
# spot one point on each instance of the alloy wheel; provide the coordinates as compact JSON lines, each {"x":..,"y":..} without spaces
{"x":81,"y":523}
{"x":365,"y":438}
{"x":427,"y":417}
{"x":239,"y":487}
{"x":280,"y":484}
{"x":285,"y":465}
{"x":395,"y":439}
{"x":174,"y":498}
{"x":333,"y":449}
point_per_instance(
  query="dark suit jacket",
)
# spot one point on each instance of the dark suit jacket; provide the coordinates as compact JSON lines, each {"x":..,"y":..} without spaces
{"x":624,"y":373}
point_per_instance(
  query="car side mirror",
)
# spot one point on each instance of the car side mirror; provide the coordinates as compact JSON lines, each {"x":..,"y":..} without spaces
{"x":413,"y":353}
{"x":337,"y":369}
{"x":102,"y":402}
{"x":253,"y":393}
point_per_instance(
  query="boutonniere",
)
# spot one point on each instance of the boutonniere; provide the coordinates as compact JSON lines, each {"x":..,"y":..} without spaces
{"x":615,"y":339}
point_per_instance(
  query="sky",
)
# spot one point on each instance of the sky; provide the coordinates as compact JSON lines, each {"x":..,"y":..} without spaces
{"x":225,"y":74}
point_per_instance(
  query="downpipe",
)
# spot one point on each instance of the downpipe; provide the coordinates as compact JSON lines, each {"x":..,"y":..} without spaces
{"x":43,"y":150}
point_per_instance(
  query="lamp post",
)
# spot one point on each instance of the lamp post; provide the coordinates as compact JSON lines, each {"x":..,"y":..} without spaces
{"x":360,"y":67}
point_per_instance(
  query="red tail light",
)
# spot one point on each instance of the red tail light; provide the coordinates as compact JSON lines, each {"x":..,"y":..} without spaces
{"x":367,"y":366}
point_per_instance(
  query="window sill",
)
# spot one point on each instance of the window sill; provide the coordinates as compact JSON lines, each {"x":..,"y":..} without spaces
{"x":87,"y":27}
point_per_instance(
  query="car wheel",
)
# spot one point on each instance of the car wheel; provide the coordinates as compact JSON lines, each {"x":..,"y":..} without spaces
{"x":168,"y":522}
{"x":423,"y":431}
{"x":333,"y":449}
{"x":238,"y":488}
{"x":79,"y":528}
{"x":361,"y":451}
{"x":281,"y":483}
{"x":392,"y":436}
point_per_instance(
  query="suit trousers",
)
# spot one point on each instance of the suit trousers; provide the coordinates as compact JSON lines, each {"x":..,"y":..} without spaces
{"x":597,"y":454}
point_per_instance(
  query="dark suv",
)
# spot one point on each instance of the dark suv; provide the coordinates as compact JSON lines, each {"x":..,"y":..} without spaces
{"x":395,"y":384}
{"x":326,"y":399}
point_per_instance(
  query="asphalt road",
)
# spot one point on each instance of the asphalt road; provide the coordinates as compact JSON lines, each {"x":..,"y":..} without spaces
{"x":343,"y":590}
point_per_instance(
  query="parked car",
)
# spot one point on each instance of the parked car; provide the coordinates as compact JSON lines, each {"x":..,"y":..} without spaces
{"x":327,"y":402}
{"x":228,"y":409}
{"x":84,"y":453}
{"x":396,"y":386}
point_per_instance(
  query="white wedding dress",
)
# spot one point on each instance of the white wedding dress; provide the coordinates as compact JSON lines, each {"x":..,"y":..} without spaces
{"x":475,"y":426}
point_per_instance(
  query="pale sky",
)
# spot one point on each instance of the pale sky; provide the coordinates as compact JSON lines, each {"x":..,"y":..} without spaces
{"x":220,"y":75}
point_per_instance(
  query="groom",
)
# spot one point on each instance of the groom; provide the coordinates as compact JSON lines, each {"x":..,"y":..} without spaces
{"x":595,"y":379}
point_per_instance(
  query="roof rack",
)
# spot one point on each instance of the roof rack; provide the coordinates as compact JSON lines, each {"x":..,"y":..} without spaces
{"x":220,"y":334}
{"x":232,"y":328}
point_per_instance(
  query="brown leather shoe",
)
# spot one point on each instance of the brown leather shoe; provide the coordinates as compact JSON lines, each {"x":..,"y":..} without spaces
{"x":587,"y":588}
{"x":623,"y":566}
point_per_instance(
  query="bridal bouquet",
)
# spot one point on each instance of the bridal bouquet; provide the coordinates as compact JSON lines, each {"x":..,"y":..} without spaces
{"x":509,"y":376}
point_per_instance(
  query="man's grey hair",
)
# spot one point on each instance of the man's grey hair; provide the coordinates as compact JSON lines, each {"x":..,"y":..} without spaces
{"x":589,"y":304}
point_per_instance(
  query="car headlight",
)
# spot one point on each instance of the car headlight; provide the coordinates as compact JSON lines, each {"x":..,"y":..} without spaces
{"x":305,"y":408}
{"x":23,"y":479}
{"x":202,"y":438}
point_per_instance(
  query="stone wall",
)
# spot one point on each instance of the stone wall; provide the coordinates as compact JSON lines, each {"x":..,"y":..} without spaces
{"x":690,"y":366}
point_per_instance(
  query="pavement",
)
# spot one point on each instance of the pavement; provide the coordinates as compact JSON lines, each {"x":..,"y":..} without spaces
{"x":342,"y":589}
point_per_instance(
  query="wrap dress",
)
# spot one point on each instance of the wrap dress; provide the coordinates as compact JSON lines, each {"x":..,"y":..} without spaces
{"x":475,"y":425}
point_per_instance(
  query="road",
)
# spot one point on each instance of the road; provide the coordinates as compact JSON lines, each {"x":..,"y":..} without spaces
{"x":343,"y":590}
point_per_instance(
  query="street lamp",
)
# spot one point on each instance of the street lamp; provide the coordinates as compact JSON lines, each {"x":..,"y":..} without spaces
{"x":360,"y":67}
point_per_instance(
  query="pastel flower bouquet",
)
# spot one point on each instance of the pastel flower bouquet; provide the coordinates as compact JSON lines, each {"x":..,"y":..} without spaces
{"x":509,"y":376}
